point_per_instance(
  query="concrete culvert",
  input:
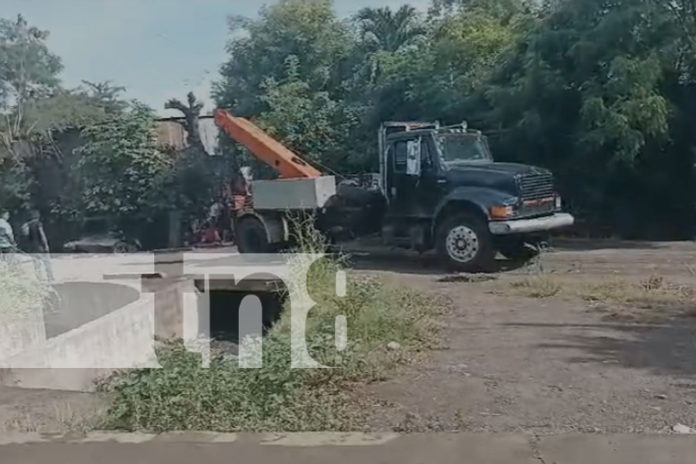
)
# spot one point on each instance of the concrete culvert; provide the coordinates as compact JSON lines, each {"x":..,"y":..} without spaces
{"x":234,"y":314}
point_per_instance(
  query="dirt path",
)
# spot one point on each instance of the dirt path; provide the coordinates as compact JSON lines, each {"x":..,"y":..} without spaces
{"x":556,"y":364}
{"x":47,"y":411}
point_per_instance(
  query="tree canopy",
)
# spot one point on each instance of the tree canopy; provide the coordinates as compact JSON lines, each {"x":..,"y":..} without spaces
{"x":600,"y":91}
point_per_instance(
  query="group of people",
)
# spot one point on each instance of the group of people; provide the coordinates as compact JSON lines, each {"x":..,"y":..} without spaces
{"x":217,"y":228}
{"x":33,"y":241}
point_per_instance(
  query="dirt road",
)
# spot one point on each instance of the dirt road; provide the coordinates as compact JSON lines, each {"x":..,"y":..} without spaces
{"x":554,"y":364}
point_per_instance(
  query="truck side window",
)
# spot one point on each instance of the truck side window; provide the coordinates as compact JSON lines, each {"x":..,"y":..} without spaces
{"x":426,"y":155}
{"x":400,"y":156}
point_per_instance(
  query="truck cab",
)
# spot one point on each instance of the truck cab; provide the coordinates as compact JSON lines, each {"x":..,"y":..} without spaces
{"x":445,"y":191}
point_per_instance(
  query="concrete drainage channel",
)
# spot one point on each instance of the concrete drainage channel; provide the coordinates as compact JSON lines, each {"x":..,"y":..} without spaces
{"x":242,"y":308}
{"x":84,"y":332}
{"x":102,"y":327}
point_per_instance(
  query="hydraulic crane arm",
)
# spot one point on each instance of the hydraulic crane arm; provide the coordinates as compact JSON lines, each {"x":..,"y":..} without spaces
{"x":264,"y":147}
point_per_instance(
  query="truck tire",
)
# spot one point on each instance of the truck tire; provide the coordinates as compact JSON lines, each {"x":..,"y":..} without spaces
{"x":251,"y":236}
{"x":517,"y":250}
{"x":465,"y":244}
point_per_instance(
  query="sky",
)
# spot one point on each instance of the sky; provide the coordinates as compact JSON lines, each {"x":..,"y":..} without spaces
{"x":157,"y":49}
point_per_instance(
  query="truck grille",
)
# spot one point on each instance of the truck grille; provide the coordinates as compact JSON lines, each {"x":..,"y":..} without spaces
{"x":536,"y":186}
{"x":537,"y":194}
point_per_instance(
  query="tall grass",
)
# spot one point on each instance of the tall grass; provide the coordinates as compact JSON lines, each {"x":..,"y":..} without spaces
{"x":184,"y":396}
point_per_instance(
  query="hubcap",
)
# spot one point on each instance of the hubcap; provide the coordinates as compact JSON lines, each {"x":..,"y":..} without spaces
{"x":462,"y":244}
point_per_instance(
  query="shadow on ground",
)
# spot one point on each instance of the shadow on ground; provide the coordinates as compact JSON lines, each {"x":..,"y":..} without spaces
{"x":404,"y":262}
{"x":667,"y":347}
{"x":571,"y":244}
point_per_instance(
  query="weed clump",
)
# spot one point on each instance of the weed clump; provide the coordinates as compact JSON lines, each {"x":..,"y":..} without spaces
{"x":183,"y":395}
{"x":541,"y":286}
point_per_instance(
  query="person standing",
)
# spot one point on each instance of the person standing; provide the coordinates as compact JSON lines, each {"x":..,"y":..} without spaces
{"x":7,"y":239}
{"x":37,"y":244}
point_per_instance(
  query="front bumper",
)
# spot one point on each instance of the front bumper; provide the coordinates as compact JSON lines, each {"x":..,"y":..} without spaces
{"x":523,"y":226}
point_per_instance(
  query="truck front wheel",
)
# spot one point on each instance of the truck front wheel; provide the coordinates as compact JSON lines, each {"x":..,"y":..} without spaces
{"x":251,"y":236}
{"x":464,"y":243}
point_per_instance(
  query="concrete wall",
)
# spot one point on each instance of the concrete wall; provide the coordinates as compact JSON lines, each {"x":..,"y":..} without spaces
{"x":75,"y":359}
{"x":21,"y":332}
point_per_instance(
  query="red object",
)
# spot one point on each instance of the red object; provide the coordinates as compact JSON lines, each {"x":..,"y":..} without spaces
{"x":211,"y":235}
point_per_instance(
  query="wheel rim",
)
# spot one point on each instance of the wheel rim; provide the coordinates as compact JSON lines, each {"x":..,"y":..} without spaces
{"x":462,"y":244}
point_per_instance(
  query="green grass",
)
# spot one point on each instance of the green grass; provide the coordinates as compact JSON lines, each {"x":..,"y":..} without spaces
{"x":184,"y":396}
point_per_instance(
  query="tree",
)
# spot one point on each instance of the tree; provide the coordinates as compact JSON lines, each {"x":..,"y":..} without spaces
{"x":384,"y":29}
{"x":195,"y":180}
{"x":107,"y":96}
{"x":310,"y":122}
{"x":600,"y":91}
{"x":441,"y":79}
{"x":27,"y":71}
{"x":585,"y":95}
{"x":191,"y":112}
{"x":259,"y":49}
{"x":121,"y":166}
{"x":322,"y":51}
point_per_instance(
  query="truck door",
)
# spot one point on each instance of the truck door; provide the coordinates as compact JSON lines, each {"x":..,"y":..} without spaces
{"x":433,"y":180}
{"x":403,"y":177}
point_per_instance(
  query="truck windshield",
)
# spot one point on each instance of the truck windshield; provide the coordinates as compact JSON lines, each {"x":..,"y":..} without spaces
{"x":463,"y":148}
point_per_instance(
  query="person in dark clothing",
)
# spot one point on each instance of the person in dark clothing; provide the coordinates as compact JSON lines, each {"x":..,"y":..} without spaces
{"x":37,"y":244}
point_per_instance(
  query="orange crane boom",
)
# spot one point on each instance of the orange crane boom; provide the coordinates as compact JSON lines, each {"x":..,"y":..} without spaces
{"x":288,"y":164}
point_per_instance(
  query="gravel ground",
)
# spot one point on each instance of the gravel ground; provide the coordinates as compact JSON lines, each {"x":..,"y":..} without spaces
{"x":552,"y":365}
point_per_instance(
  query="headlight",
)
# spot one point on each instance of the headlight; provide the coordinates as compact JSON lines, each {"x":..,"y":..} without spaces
{"x":501,"y":211}
{"x":559,"y":202}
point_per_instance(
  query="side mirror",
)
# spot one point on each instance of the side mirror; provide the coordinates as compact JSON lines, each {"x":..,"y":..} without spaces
{"x":413,"y":158}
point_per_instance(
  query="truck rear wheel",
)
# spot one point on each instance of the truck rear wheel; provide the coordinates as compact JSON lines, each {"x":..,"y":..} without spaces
{"x":251,"y":236}
{"x":464,"y":244}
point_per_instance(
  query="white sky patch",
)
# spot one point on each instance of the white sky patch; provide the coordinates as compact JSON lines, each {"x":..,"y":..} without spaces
{"x":157,"y":49}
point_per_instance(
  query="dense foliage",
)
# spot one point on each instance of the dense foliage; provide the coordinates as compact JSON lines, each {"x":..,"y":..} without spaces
{"x":78,"y":154}
{"x":600,"y":91}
